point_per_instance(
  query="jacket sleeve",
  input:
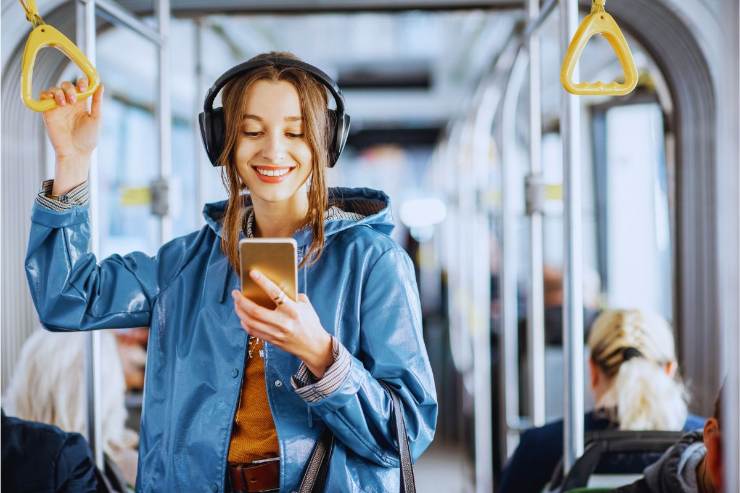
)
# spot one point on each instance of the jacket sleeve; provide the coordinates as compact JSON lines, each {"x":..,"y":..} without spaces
{"x":70,"y":290}
{"x":358,"y":410}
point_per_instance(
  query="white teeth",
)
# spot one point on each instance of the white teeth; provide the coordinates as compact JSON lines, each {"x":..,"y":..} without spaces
{"x":280,"y":172}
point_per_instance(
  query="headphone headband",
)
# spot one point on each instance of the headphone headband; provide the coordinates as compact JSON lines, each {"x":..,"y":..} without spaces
{"x":212,"y":124}
{"x":278,"y":62}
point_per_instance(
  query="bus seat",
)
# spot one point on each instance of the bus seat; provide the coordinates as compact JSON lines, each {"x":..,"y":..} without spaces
{"x":613,"y":453}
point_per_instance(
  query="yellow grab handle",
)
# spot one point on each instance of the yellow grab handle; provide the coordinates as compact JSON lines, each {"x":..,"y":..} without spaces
{"x":599,"y":22}
{"x":42,"y":36}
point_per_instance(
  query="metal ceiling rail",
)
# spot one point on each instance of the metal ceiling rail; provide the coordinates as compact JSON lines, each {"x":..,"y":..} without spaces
{"x":122,"y":17}
{"x":537,"y":16}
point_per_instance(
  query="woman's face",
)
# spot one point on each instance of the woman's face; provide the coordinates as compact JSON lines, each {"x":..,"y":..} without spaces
{"x":273,"y":157}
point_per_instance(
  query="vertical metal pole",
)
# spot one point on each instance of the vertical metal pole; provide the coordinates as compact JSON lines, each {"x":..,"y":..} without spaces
{"x":482,"y":291}
{"x":732,"y":339}
{"x":85,"y":38}
{"x":201,"y":87}
{"x":164,"y":109}
{"x":510,"y":257}
{"x":570,"y":131}
{"x":536,"y":313}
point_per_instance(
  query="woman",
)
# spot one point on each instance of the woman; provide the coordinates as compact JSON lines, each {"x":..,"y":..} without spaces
{"x":635,"y":383}
{"x":46,"y":388}
{"x":229,"y":385}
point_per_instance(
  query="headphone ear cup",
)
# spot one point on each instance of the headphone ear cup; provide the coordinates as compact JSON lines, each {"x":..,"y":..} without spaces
{"x":342,"y":134}
{"x":212,"y":131}
{"x":332,"y":137}
{"x":339,"y":128}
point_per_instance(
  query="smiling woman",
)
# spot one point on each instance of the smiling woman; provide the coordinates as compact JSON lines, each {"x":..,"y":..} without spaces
{"x":271,"y":130}
{"x":218,"y":414}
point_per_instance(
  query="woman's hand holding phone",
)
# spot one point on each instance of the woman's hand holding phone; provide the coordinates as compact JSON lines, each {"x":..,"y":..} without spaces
{"x":73,"y":132}
{"x":293,"y":326}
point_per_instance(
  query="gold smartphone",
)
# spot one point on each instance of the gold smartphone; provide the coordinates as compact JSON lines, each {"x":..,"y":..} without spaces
{"x":273,"y":257}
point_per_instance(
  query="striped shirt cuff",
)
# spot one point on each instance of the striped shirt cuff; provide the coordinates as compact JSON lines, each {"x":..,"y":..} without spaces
{"x":311,"y":389}
{"x":77,"y":196}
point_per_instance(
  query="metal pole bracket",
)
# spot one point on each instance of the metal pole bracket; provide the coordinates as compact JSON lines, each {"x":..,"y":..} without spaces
{"x":534,"y":194}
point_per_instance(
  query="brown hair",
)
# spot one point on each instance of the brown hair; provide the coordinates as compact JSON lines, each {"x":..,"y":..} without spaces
{"x":313,"y":100}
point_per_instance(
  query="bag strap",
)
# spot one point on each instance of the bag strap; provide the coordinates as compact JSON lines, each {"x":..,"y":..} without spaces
{"x":318,"y":463}
{"x":408,"y":484}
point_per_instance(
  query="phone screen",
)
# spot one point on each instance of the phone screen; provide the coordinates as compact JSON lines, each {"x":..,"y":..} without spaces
{"x":273,"y":257}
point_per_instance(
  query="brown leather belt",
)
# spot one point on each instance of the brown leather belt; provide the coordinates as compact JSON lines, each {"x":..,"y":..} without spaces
{"x":253,"y":477}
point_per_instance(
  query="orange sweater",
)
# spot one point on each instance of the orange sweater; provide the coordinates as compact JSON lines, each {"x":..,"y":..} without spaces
{"x":253,"y":436}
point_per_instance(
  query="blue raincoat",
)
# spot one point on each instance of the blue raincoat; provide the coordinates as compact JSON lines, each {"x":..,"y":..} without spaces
{"x":363,"y":289}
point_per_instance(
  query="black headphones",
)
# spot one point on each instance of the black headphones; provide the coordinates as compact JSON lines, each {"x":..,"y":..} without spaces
{"x":213,"y":126}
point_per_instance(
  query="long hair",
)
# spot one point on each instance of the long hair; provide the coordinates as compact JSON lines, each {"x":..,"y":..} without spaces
{"x":313,"y":99}
{"x":632,"y":348}
{"x":48,"y":387}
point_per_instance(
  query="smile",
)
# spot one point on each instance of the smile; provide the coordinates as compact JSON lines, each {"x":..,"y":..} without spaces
{"x":272,"y":174}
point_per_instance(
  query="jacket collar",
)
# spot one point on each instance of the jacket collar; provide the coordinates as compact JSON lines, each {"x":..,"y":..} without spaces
{"x":348,"y":208}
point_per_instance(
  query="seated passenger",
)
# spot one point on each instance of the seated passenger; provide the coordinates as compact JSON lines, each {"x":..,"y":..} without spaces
{"x":40,"y":457}
{"x":693,"y":465}
{"x":132,"y":350}
{"x":634,"y":379}
{"x":48,"y":386}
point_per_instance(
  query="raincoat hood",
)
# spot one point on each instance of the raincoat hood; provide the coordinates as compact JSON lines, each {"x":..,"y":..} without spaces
{"x":348,"y":208}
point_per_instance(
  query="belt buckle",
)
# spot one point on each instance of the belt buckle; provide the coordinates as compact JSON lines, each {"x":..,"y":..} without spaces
{"x":260,"y":476}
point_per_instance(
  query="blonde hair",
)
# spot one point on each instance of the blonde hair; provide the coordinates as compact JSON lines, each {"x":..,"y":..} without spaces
{"x":48,"y":386}
{"x":631,"y":348}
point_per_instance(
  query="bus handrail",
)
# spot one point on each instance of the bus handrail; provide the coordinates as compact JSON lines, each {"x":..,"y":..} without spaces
{"x":599,"y":22}
{"x":41,"y":36}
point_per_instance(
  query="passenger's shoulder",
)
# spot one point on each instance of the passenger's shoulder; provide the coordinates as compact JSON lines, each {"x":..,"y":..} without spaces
{"x":30,"y":434}
{"x":693,"y":422}
{"x":543,"y":434}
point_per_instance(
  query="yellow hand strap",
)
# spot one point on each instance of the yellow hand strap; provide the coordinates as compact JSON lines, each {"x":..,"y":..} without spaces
{"x":599,"y":22}
{"x":44,"y":35}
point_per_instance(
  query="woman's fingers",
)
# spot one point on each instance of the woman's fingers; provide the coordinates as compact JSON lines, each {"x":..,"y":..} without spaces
{"x":263,"y":331}
{"x":58,"y":95}
{"x":70,"y":92}
{"x":272,"y":290}
{"x":248,"y":308}
{"x":67,"y":94}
